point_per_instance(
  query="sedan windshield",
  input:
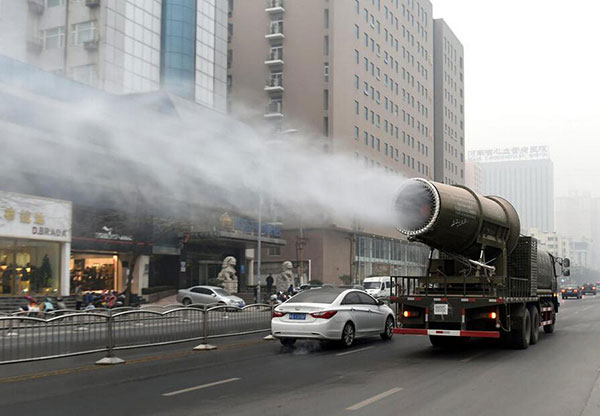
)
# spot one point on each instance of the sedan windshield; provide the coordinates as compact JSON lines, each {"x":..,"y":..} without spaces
{"x":317,"y":296}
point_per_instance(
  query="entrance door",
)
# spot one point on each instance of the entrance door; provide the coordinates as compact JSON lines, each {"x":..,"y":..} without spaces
{"x":207,"y":270}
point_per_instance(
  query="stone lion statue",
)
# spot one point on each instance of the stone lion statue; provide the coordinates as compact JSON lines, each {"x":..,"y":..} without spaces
{"x":286,"y":278}
{"x":227,"y":275}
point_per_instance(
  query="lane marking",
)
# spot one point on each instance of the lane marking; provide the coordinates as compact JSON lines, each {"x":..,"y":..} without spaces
{"x":472,"y":357}
{"x":373,"y":399}
{"x":353,"y":351}
{"x":203,"y":386}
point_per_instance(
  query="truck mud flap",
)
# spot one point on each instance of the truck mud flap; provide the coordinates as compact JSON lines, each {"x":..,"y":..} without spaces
{"x":447,"y":333}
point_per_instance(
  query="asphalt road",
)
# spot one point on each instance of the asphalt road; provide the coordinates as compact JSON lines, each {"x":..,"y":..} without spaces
{"x":249,"y":376}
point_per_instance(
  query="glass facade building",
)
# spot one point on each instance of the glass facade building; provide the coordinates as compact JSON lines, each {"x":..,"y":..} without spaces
{"x":179,"y":47}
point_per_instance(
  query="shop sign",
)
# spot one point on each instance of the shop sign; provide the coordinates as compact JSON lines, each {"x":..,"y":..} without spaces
{"x":25,"y":216}
{"x":108,"y":234}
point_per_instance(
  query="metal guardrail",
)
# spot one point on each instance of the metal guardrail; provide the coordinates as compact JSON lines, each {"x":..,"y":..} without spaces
{"x":63,"y":333}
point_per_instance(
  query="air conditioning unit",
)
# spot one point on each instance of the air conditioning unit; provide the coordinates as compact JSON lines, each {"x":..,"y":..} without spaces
{"x":92,"y":3}
{"x":91,"y":45}
{"x":36,"y":6}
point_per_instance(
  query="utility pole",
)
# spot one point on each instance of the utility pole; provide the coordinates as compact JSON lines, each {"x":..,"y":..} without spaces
{"x":259,"y":254}
{"x":300,"y":243}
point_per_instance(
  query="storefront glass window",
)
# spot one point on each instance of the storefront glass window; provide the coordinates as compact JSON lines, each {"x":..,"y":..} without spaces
{"x":29,"y":267}
{"x":93,"y":271}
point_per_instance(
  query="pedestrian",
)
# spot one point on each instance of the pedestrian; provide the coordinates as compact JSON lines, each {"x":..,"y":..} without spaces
{"x":60,"y":303}
{"x":269,"y":283}
{"x":78,"y":297}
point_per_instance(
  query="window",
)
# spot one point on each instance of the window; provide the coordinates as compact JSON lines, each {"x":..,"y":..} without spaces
{"x":356,"y":31}
{"x":356,"y":81}
{"x":326,"y":71}
{"x":53,"y":38}
{"x":326,"y":18}
{"x":357,"y":6}
{"x":326,"y":99}
{"x":274,"y":251}
{"x":356,"y":133}
{"x":356,"y":107}
{"x":83,"y":32}
{"x":326,"y":45}
{"x":326,"y":126}
{"x":54,"y":3}
{"x":366,"y":137}
{"x":356,"y":56}
{"x":351,"y":299}
{"x":85,"y":74}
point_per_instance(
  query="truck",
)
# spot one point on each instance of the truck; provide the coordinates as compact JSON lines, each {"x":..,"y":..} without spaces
{"x":483,"y":279}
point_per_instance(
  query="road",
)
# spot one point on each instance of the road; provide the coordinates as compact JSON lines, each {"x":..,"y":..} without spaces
{"x":248,"y":376}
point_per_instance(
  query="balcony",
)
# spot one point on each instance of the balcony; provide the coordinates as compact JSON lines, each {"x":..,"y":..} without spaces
{"x":274,"y":84}
{"x":275,"y":31}
{"x":275,"y":57}
{"x":92,"y":3}
{"x":274,"y":110}
{"x":274,"y":6}
{"x":36,"y":6}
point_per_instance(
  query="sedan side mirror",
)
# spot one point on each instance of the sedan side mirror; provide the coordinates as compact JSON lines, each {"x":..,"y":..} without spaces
{"x":380,"y":302}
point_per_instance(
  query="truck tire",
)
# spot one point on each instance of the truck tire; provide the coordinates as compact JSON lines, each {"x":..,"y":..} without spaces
{"x":548,"y":329}
{"x":440,"y":341}
{"x":535,"y":324}
{"x":521,"y":335}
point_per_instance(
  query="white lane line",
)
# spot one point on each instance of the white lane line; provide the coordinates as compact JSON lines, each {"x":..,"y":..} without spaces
{"x":216,"y":383}
{"x":373,"y":399}
{"x":353,"y":351}
{"x":472,"y":357}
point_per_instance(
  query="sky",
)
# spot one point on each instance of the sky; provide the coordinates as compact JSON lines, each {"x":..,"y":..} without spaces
{"x":532,"y":77}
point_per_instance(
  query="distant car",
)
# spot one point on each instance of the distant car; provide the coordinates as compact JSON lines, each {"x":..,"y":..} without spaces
{"x":208,"y":295}
{"x":573,"y":291}
{"x":588,"y":288}
{"x":330,"y":313}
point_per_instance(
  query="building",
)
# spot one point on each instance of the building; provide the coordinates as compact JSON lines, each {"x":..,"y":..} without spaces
{"x":449,"y":101}
{"x":552,"y":242}
{"x":356,"y":74}
{"x":525,"y":177}
{"x":124,"y":46}
{"x":474,"y":177}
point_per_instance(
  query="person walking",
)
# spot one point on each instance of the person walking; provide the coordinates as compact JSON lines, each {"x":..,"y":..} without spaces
{"x":78,"y":297}
{"x":269,"y":284}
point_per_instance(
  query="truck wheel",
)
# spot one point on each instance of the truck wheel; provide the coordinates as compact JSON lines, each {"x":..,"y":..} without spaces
{"x":440,"y":341}
{"x":522,"y":335}
{"x":535,"y":324}
{"x":548,"y":329}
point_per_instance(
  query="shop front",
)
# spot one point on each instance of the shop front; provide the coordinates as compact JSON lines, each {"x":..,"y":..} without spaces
{"x":105,"y":246}
{"x":35,"y":240}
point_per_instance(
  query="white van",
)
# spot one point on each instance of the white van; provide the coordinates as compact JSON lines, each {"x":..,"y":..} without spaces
{"x":378,"y":286}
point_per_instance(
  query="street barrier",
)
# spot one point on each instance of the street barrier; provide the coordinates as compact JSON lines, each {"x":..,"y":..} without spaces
{"x":31,"y":336}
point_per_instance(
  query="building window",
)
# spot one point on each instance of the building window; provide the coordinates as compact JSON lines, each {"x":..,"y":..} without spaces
{"x":356,"y":106}
{"x":53,"y":38}
{"x":274,"y":251}
{"x":83,"y":32}
{"x":356,"y":31}
{"x":326,"y":99}
{"x":356,"y":133}
{"x":54,"y":3}
{"x":356,"y":81}
{"x":326,"y":126}
{"x":326,"y":18}
{"x":366,"y":137}
{"x":326,"y":45}
{"x":357,"y":56}
{"x":85,"y":74}
{"x":357,"y":6}
{"x":326,"y":71}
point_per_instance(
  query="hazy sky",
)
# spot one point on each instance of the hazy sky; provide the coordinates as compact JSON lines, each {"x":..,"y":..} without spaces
{"x":532,"y":77}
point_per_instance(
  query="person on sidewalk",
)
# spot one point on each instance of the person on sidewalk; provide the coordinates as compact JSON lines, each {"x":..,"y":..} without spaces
{"x":269,"y":284}
{"x":78,"y":297}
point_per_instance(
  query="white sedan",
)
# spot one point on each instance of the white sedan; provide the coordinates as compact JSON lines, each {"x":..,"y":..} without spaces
{"x":331,"y":314}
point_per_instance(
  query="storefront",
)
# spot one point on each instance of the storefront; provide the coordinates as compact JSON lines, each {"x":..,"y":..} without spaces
{"x":35,"y":240}
{"x":105,"y":243}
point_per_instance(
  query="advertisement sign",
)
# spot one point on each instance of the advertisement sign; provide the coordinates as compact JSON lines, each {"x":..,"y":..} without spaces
{"x":32,"y":217}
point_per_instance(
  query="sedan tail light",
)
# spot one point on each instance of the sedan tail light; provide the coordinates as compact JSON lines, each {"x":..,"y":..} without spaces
{"x":323,"y":315}
{"x":575,"y":291}
{"x":277,"y":314}
{"x":563,"y":290}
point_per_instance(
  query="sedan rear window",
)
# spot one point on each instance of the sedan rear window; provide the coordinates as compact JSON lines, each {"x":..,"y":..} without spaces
{"x":317,"y":296}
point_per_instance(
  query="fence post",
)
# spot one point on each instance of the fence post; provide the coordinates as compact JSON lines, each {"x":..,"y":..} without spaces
{"x":270,"y":337}
{"x":11,"y":332}
{"x":205,"y":346}
{"x":110,"y":358}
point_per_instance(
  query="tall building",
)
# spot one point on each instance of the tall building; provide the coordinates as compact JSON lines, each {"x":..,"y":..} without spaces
{"x":524,"y":176}
{"x":474,"y":177}
{"x":120,"y":46}
{"x":357,"y":74}
{"x":449,"y":101}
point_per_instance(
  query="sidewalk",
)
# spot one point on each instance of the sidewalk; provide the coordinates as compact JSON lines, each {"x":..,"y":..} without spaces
{"x":169,"y":300}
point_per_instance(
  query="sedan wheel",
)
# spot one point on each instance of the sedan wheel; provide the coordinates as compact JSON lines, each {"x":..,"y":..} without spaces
{"x":388,"y":331}
{"x":348,"y":334}
{"x":186,"y":302}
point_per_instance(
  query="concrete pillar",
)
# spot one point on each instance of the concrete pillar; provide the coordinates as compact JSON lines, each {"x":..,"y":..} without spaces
{"x":65,"y":273}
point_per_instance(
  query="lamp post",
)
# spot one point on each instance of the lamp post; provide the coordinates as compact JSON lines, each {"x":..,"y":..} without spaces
{"x":259,"y":244}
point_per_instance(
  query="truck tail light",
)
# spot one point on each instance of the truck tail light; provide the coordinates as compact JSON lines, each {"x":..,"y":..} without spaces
{"x":410,"y":314}
{"x":493,"y":315}
{"x":277,"y":314}
{"x":323,"y":315}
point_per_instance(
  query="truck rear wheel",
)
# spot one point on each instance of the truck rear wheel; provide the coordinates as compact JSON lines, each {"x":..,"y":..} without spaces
{"x":535,"y":324}
{"x":521,"y":336}
{"x":440,"y":341}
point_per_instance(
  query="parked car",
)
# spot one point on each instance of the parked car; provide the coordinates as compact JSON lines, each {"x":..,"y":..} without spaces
{"x":207,"y":295}
{"x":588,"y":288}
{"x":571,"y":290}
{"x":330,"y":313}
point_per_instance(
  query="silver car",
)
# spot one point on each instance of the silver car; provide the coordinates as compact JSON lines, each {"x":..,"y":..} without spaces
{"x":208,"y":295}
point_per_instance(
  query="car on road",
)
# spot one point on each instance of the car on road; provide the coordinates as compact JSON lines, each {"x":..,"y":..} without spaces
{"x":331,"y":313}
{"x":571,"y":291}
{"x":588,"y":288}
{"x":208,"y":295}
{"x":378,"y":286}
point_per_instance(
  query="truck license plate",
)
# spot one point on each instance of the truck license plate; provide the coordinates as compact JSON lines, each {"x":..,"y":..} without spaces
{"x":440,"y":309}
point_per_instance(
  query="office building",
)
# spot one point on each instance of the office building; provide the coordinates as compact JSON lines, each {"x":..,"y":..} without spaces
{"x":449,"y":101}
{"x":525,"y":177}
